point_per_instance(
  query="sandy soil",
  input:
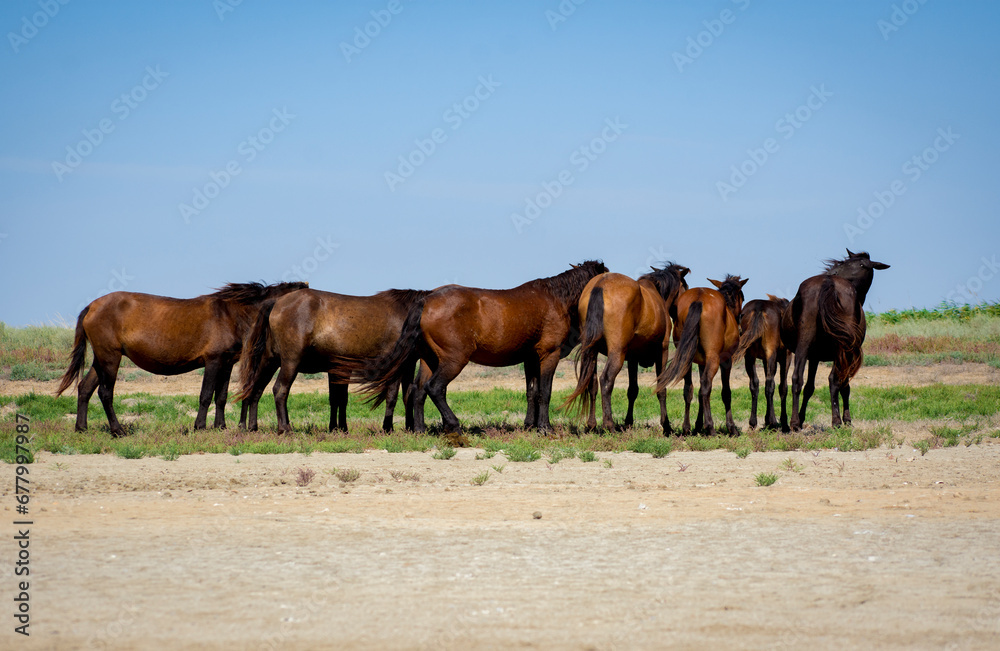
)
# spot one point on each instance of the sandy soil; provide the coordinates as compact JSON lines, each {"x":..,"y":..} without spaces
{"x":877,"y":549}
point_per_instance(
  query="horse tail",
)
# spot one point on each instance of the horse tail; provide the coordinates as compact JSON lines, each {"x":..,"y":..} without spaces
{"x":593,"y":332}
{"x":847,"y":333}
{"x":77,"y":357}
{"x":255,"y":347}
{"x":383,"y":373}
{"x":687,"y":347}
{"x":751,"y":334}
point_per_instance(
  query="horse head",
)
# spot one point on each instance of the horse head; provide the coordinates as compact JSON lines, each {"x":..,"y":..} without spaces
{"x":858,"y":269}
{"x":732,"y":290}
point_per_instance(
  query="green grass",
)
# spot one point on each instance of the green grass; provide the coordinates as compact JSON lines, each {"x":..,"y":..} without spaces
{"x":521,"y":452}
{"x":659,"y":447}
{"x":765,"y":478}
{"x":445,"y":453}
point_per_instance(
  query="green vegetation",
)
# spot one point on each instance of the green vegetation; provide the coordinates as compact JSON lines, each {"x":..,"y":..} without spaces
{"x":445,"y":453}
{"x":481,"y":478}
{"x":765,"y":478}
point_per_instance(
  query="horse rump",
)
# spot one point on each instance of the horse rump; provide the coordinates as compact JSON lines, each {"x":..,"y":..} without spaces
{"x":687,"y":348}
{"x":77,"y":357}
{"x":586,"y":362}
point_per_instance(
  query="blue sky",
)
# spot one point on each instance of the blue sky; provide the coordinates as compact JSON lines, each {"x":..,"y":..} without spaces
{"x":170,"y":148}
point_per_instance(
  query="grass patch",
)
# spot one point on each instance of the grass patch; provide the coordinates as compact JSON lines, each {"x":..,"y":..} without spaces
{"x":481,"y":478}
{"x":445,"y":453}
{"x":587,"y":456}
{"x":659,"y":447}
{"x":521,"y":452}
{"x":765,"y":478}
{"x":130,"y":449}
{"x":347,"y":475}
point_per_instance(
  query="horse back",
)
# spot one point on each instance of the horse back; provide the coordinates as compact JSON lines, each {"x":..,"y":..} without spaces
{"x":801,"y":325}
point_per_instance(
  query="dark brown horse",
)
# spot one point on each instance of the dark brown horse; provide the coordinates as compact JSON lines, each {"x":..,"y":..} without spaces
{"x":166,"y":336}
{"x":707,"y":333}
{"x":627,"y":320}
{"x":761,"y":339}
{"x":307,"y":332}
{"x":825,"y":322}
{"x":455,"y":325}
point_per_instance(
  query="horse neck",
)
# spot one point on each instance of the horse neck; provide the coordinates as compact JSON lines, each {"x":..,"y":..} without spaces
{"x":862,"y":285}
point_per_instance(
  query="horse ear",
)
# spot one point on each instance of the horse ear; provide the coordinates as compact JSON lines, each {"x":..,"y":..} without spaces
{"x":849,"y":254}
{"x":715,"y":282}
{"x":744,"y":282}
{"x":685,"y":271}
{"x":772,"y":297}
{"x":879,"y":265}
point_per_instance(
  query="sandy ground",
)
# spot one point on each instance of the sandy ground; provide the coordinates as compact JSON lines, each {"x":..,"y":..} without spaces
{"x":877,"y":549}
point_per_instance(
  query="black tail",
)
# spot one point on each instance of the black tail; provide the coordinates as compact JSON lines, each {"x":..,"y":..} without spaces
{"x":751,"y":334}
{"x":687,"y":347}
{"x":586,"y":363}
{"x":843,"y":329}
{"x":255,"y":348}
{"x":77,"y":357}
{"x":386,"y":371}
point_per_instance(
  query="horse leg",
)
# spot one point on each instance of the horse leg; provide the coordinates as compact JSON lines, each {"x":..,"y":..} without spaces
{"x":800,"y":365}
{"x":212,"y":368}
{"x":770,"y":366}
{"x":547,"y":368}
{"x":85,"y":390}
{"x":592,"y":403}
{"x":661,"y":396}
{"x":751,"y":366}
{"x":835,"y":397}
{"x":608,"y":376}
{"x":532,"y":372}
{"x":410,"y":393}
{"x":338,"y":404}
{"x":282,"y":386}
{"x":390,"y":407}
{"x":727,"y":398}
{"x":783,"y":387}
{"x":845,"y":393}
{"x":808,"y":389}
{"x":707,"y":374}
{"x":688,"y":395}
{"x":249,"y":410}
{"x":437,"y":390}
{"x":107,"y":374}
{"x":633,"y":391}
{"x":222,"y":394}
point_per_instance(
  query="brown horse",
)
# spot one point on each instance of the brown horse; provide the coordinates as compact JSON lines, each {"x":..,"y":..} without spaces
{"x":307,"y":332}
{"x":166,"y":336}
{"x":760,"y":322}
{"x":455,"y":325}
{"x":627,"y":320}
{"x":707,"y":334}
{"x":825,"y":322}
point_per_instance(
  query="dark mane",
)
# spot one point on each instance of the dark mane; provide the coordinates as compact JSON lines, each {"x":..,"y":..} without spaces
{"x":568,"y":285}
{"x":731,"y":290}
{"x":251,"y":293}
{"x":669,"y":279}
{"x":834,"y":267}
{"x":404,"y":297}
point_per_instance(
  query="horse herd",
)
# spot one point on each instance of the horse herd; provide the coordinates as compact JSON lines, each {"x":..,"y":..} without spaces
{"x":417,"y":342}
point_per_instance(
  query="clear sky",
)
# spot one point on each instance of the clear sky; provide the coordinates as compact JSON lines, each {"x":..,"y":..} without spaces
{"x":171,"y":147}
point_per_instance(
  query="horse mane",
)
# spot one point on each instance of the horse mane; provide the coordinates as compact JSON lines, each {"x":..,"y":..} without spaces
{"x":404,"y":297}
{"x":668,"y":279}
{"x":731,"y":289}
{"x":251,"y":293}
{"x":833,"y":266}
{"x":568,"y":285}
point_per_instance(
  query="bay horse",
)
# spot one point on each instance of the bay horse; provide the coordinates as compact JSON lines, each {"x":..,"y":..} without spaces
{"x":826,"y":322}
{"x":166,"y":336}
{"x":707,"y":333}
{"x":308,"y":331}
{"x":450,"y":327}
{"x":629,"y":321}
{"x":760,"y":322}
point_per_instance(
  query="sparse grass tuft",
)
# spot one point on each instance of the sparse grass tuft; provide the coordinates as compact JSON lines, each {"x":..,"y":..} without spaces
{"x":481,"y":478}
{"x":659,"y":447}
{"x":521,"y":452}
{"x":129,"y":449}
{"x":347,"y":475}
{"x":499,"y":467}
{"x":558,"y":454}
{"x":445,"y":453}
{"x":305,"y":475}
{"x":765,"y":478}
{"x":923,"y":446}
{"x":587,"y":456}
{"x":790,"y":465}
